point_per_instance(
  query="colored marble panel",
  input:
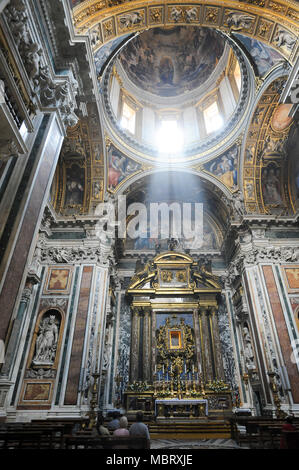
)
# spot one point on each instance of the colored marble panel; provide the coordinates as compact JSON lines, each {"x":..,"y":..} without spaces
{"x":282,"y":331}
{"x":37,"y":391}
{"x":29,"y":225}
{"x":292,"y":275}
{"x":78,"y":340}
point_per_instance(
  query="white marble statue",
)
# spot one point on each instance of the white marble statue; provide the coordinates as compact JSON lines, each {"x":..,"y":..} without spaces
{"x":46,"y":342}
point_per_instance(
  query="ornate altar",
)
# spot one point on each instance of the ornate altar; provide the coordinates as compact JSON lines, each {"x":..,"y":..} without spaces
{"x":176,"y":367}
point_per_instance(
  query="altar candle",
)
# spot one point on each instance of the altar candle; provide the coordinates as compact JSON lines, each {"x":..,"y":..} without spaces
{"x":193,"y":368}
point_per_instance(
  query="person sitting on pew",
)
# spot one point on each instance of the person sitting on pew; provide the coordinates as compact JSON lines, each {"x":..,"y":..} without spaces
{"x":114,"y":424}
{"x":139,"y":429}
{"x":102,"y":430}
{"x":288,"y":427}
{"x":123,"y":427}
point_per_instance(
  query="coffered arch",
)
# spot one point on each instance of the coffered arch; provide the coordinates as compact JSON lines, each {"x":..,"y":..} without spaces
{"x":274,"y":23}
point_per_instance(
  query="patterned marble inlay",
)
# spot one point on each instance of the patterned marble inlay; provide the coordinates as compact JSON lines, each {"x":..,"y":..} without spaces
{"x":124,"y":340}
{"x":226,"y":346}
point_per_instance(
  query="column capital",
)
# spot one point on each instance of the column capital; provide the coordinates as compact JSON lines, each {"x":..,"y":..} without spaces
{"x":202,"y":310}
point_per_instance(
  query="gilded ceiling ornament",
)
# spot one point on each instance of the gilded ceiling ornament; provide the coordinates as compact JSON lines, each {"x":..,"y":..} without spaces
{"x":191,"y":14}
{"x":293,"y":14}
{"x":277,"y":7}
{"x":237,"y":20}
{"x":156,"y":15}
{"x":212,"y":15}
{"x":265,"y":29}
{"x":284,"y":39}
{"x":131,"y":20}
{"x":108,"y":27}
{"x":175,"y":14}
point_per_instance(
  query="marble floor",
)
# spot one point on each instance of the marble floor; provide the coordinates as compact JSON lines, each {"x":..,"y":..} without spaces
{"x":194,"y":444}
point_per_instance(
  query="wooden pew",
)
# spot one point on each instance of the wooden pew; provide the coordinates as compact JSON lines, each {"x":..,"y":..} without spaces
{"x":104,"y":442}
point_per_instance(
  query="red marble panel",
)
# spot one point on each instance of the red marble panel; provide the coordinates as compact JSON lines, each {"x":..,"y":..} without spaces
{"x":28,"y":229}
{"x":78,"y":340}
{"x":282,"y":331}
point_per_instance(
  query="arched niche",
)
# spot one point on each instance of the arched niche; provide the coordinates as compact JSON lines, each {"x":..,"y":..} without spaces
{"x":47,"y":338}
{"x":43,"y":359}
{"x":173,"y":189}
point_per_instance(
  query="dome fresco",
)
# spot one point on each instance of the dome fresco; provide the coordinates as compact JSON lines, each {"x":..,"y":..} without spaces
{"x":169,"y":62}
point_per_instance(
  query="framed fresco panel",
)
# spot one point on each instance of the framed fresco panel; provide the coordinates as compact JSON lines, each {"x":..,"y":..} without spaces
{"x":58,"y":280}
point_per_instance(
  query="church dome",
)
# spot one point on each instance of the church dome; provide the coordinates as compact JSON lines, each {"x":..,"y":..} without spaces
{"x":171,"y":61}
{"x":187,"y":82}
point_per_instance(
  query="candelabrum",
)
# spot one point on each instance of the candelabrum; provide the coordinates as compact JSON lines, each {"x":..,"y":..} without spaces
{"x":276,"y":398}
{"x":171,"y":383}
{"x":93,"y":402}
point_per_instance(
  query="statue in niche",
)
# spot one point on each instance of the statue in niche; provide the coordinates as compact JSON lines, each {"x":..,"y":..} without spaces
{"x":248,"y":351}
{"x":46,"y":342}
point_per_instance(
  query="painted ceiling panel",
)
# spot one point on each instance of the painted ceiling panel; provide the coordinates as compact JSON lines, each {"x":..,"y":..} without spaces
{"x":169,"y":62}
{"x":263,"y":56}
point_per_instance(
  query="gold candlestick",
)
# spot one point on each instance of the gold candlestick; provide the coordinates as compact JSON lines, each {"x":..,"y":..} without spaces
{"x":171,"y":384}
{"x":93,"y":402}
{"x":194,"y":384}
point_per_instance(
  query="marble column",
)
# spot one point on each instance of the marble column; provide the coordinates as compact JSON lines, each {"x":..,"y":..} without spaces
{"x":16,"y":332}
{"x":147,"y":366}
{"x":216,"y":341}
{"x":134,"y":346}
{"x":205,"y":344}
{"x":212,"y":343}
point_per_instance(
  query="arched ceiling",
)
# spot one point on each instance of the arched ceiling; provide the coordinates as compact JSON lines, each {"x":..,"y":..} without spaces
{"x":265,"y":167}
{"x":172,"y":188}
{"x":258,"y":161}
{"x":274,"y":23}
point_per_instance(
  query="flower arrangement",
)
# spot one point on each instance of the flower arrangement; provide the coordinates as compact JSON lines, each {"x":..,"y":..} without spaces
{"x":139,"y":387}
{"x":217,"y":386}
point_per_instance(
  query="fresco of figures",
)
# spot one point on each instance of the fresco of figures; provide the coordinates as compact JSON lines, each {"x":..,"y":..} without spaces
{"x":208,"y":242}
{"x":271,"y":185}
{"x":293,"y":152}
{"x":265,"y":57}
{"x":225,"y":167}
{"x":172,"y":61}
{"x":75,"y":182}
{"x":120,"y":167}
